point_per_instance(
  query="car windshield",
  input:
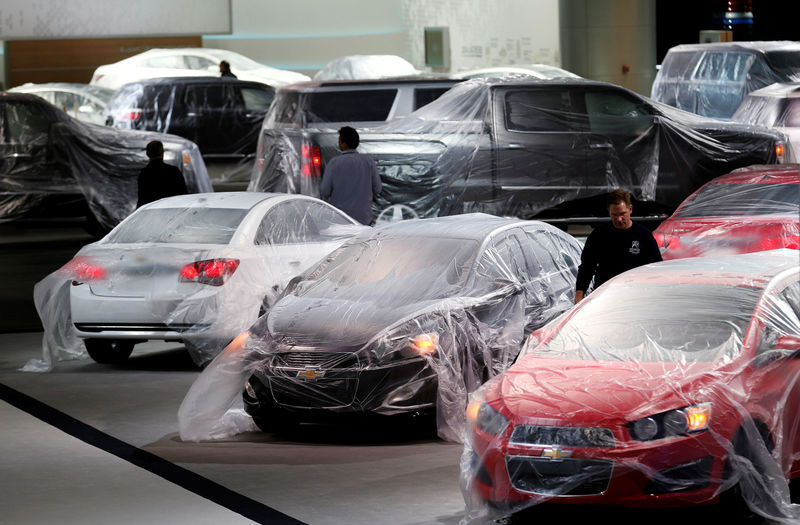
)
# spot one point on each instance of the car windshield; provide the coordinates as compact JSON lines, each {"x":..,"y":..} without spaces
{"x":179,"y":226}
{"x":656,"y":323}
{"x":404,"y":269}
{"x":743,"y":200}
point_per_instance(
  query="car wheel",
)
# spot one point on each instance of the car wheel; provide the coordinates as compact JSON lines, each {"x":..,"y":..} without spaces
{"x":751,"y":463}
{"x":109,"y":351}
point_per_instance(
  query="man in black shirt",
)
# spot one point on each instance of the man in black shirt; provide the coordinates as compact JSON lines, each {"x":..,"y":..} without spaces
{"x":615,"y":248}
{"x":158,"y":179}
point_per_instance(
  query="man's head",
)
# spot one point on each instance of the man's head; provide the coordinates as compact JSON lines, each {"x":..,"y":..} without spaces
{"x":155,"y":149}
{"x":620,"y":208}
{"x":348,"y":138}
{"x":224,"y":66}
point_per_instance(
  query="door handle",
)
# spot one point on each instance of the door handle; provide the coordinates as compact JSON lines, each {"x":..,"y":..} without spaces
{"x":21,"y":155}
{"x":601,"y":145}
{"x":193,"y":114}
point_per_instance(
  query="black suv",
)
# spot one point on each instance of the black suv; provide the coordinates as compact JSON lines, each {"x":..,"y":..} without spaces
{"x":221,"y":115}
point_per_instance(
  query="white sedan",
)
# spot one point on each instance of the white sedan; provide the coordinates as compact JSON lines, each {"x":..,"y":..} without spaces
{"x":196,"y":268}
{"x":189,"y":62}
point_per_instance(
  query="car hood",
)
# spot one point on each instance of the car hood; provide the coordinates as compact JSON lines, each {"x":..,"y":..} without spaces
{"x":594,"y":391}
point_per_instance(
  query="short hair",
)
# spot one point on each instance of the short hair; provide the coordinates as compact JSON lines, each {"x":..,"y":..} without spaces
{"x":154,"y":149}
{"x":618,"y":197}
{"x":349,"y":136}
{"x":225,"y":65}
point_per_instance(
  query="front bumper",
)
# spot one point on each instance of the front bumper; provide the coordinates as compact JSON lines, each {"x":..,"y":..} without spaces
{"x":340,"y":383}
{"x":680,"y":471}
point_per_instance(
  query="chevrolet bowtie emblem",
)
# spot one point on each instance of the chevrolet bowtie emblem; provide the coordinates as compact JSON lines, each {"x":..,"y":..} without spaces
{"x":556,"y":453}
{"x":310,"y":374}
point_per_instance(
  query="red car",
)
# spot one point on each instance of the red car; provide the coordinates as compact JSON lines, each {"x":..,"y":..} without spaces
{"x":748,"y":210}
{"x":668,"y":386}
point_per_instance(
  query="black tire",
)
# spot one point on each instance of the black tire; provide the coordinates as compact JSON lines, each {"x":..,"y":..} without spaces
{"x":109,"y":351}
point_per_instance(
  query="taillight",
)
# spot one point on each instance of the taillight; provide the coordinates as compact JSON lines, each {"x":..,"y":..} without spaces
{"x":310,"y":160}
{"x":83,"y":269}
{"x":792,"y":241}
{"x":780,"y":151}
{"x":132,"y":115}
{"x":212,"y":271}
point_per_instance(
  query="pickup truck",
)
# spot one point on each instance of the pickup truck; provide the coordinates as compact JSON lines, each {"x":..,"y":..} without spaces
{"x":545,"y":149}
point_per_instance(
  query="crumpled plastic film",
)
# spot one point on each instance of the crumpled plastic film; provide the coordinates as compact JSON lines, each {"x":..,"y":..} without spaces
{"x":673,"y":384}
{"x":712,"y":79}
{"x":57,"y":165}
{"x":198,"y":269}
{"x":776,"y":105}
{"x":548,"y":149}
{"x":405,"y":319}
{"x":360,"y":67}
{"x":751,"y":209}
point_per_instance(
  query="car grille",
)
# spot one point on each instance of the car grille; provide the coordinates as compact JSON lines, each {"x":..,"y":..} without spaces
{"x":321,"y":393}
{"x":563,"y":436}
{"x":312,"y":359}
{"x":561,"y":477}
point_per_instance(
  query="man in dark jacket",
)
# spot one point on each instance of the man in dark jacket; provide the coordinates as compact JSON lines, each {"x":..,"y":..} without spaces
{"x":351,"y":181}
{"x":158,"y":179}
{"x":615,"y":248}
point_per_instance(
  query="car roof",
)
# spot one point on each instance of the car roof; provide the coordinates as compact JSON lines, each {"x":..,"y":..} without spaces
{"x":762,"y":173}
{"x":473,"y":226}
{"x":755,"y":269}
{"x":759,"y":46}
{"x":228,"y":199}
{"x":375,"y":83}
{"x":194,"y":80}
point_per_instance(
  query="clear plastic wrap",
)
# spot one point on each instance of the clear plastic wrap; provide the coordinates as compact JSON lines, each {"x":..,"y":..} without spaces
{"x":712,"y":79}
{"x":406,"y":319}
{"x":529,"y":148}
{"x":775,"y":106}
{"x":673,"y":384}
{"x":361,"y":67}
{"x":750,"y":209}
{"x":193,"y":268}
{"x":54,"y":166}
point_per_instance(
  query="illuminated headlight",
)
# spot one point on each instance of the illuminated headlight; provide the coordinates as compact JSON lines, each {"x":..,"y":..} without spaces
{"x":681,"y":422}
{"x":483,"y":416}
{"x":410,"y":340}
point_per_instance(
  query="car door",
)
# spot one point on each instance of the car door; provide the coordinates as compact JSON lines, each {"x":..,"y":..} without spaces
{"x":541,"y":147}
{"x":211,"y":117}
{"x":623,"y":141}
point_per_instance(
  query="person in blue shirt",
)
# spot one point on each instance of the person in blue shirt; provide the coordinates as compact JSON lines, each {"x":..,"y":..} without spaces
{"x":351,"y":181}
{"x":616,"y":247}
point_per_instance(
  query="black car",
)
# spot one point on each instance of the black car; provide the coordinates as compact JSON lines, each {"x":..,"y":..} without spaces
{"x":222,"y":116}
{"x":408,"y":318}
{"x":53,"y":166}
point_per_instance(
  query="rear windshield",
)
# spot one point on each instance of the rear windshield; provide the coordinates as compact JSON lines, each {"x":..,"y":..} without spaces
{"x":180,"y":226}
{"x":333,"y":106}
{"x":735,"y":200}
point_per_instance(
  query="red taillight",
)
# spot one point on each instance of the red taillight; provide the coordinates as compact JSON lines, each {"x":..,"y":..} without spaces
{"x":310,"y":160}
{"x":131,"y":115}
{"x":213,"y":271}
{"x":83,"y":269}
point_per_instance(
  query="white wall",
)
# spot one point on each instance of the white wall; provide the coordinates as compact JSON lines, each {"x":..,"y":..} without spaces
{"x":487,"y":32}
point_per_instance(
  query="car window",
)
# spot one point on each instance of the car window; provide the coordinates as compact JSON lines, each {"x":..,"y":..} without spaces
{"x":26,"y":124}
{"x":257,"y":99}
{"x":791,"y":114}
{"x":217,"y":96}
{"x":783,"y":317}
{"x":179,"y":225}
{"x":540,"y":110}
{"x":170,"y":62}
{"x":196,"y":62}
{"x":724,"y":66}
{"x":350,"y":106}
{"x":299,"y":221}
{"x":503,"y":259}
{"x":676,"y":65}
{"x":612,"y":113}
{"x":423,"y":96}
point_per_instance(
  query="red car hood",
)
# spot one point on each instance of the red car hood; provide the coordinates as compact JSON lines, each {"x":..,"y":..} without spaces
{"x":726,"y":235}
{"x":595,"y":391}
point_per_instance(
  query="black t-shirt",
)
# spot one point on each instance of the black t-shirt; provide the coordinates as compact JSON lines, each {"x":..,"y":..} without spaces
{"x":609,"y":251}
{"x":158,"y":180}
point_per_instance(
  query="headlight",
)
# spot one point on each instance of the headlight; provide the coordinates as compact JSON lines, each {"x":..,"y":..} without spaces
{"x":480,"y":414}
{"x":681,"y":422}
{"x":412,"y":339}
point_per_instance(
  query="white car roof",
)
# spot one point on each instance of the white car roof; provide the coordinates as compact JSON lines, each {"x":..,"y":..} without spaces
{"x":232,"y":199}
